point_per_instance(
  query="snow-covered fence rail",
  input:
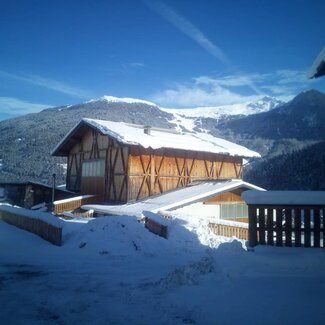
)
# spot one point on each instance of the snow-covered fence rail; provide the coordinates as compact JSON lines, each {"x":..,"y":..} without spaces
{"x":230,"y":229}
{"x":286,"y":218}
{"x":73,"y":203}
{"x":42,"y":224}
{"x":155,"y":223}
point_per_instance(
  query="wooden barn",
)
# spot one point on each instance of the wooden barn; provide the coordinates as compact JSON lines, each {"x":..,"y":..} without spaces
{"x":123,"y":162}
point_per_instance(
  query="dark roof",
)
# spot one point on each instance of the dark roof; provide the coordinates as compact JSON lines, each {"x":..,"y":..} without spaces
{"x":36,"y":184}
{"x":318,"y":68}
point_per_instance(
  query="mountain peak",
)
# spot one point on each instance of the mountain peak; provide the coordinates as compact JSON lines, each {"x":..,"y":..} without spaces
{"x":112,"y":99}
{"x":310,"y":97}
{"x":265,"y":104}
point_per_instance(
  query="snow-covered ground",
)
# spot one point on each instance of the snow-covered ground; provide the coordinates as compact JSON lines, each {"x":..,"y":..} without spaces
{"x":111,"y":270}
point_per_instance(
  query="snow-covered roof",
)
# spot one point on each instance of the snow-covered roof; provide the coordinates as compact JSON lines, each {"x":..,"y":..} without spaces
{"x":131,"y":134}
{"x":174,"y":199}
{"x":285,"y":197}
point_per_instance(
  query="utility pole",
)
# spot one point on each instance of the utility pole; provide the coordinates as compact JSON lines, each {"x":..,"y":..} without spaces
{"x":53,"y":188}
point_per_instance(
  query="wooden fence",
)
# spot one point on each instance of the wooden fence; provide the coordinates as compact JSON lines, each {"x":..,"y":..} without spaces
{"x":155,"y":227}
{"x":45,"y":230}
{"x":74,"y":203}
{"x":230,"y":230}
{"x":286,"y":225}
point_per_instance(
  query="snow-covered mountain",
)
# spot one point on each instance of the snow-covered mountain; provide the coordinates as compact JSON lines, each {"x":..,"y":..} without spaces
{"x":127,"y":100}
{"x":189,"y":118}
{"x":252,"y":107}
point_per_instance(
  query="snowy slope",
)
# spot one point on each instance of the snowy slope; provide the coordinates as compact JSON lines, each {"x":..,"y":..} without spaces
{"x":188,"y":118}
{"x":262,"y":105}
{"x":111,"y":270}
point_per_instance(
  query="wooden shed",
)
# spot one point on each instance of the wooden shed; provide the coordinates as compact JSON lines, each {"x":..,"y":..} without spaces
{"x":123,"y":162}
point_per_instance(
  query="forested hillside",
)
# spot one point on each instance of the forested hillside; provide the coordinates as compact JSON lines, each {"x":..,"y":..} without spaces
{"x":302,"y":169}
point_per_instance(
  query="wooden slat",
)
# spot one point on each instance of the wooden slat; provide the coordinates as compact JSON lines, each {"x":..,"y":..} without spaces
{"x":252,"y":229}
{"x":316,"y":227}
{"x":269,"y":226}
{"x":278,"y":224}
{"x":307,"y":228}
{"x":229,"y":231}
{"x":297,"y":227}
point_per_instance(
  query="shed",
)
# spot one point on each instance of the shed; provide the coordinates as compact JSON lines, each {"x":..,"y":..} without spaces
{"x":28,"y":194}
{"x":213,"y":200}
{"x":123,"y":162}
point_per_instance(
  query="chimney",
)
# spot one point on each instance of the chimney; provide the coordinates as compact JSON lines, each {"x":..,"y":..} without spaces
{"x":147,"y":130}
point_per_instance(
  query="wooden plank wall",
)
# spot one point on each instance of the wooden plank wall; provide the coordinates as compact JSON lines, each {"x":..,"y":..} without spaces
{"x":113,"y":186}
{"x":153,"y":172}
{"x":232,"y":197}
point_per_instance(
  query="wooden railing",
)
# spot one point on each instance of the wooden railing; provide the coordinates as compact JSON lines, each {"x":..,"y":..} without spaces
{"x":286,"y":225}
{"x":230,"y":229}
{"x":155,"y":227}
{"x":74,"y":203}
{"x":23,"y":219}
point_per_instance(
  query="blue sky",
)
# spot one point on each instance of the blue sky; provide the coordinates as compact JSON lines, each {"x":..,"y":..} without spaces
{"x":176,"y":53}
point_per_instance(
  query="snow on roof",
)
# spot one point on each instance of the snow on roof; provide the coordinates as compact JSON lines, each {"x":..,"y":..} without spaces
{"x":285,"y":197}
{"x":174,"y":199}
{"x":157,"y":138}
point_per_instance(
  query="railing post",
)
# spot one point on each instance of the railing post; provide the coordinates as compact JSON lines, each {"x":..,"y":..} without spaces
{"x":252,"y":226}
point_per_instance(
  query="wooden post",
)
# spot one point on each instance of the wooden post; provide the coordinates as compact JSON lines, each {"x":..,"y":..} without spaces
{"x":269,"y":227}
{"x":278,"y":227}
{"x":53,"y":188}
{"x":252,"y":227}
{"x":317,"y":228}
{"x":298,"y":227}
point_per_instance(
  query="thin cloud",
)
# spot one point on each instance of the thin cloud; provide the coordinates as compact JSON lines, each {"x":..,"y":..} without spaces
{"x":230,"y":81}
{"x":291,"y":76}
{"x":195,"y":95}
{"x":47,"y":83}
{"x":223,"y":90}
{"x":14,"y":106}
{"x":136,"y":64}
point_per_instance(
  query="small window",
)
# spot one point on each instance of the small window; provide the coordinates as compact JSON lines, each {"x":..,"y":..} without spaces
{"x":233,"y":211}
{"x":93,"y":168}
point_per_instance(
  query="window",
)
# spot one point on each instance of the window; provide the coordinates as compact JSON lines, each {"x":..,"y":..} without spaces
{"x":233,"y":210}
{"x":93,"y":168}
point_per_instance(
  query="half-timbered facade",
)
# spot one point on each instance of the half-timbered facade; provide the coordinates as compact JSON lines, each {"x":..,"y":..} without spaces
{"x":124,"y":162}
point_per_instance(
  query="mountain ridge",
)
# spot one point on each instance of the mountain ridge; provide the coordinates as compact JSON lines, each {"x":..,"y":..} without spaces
{"x":28,"y":140}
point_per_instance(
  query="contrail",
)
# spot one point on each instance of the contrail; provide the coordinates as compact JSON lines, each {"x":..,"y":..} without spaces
{"x":47,"y":83}
{"x":195,"y":34}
